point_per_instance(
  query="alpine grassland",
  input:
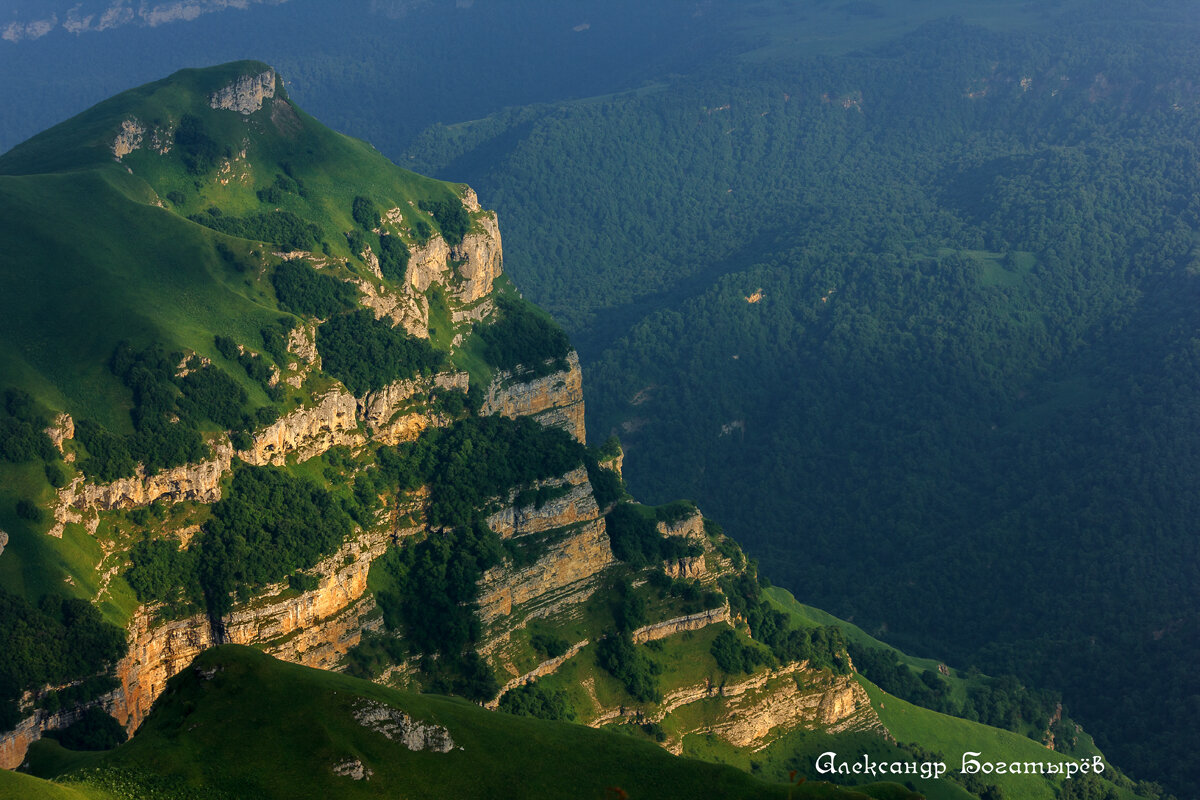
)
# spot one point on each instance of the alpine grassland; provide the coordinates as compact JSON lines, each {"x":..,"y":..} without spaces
{"x":239,"y":723}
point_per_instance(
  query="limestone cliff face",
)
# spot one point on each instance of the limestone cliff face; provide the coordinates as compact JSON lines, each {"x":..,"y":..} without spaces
{"x":690,"y":527}
{"x":308,"y":432}
{"x":246,"y":94}
{"x":63,"y":428}
{"x":566,"y":573}
{"x":577,"y":505}
{"x":314,"y":628}
{"x":689,"y":622}
{"x":15,"y":743}
{"x":480,"y":256}
{"x":302,"y":343}
{"x":428,"y":264}
{"x":380,"y":407}
{"x":757,"y":711}
{"x":754,"y":712}
{"x":573,"y":552}
{"x":555,"y":400}
{"x":467,"y":270}
{"x":199,"y":482}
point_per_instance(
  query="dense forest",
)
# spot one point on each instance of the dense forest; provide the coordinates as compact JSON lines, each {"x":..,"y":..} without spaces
{"x":919,"y":325}
{"x":916,"y":318}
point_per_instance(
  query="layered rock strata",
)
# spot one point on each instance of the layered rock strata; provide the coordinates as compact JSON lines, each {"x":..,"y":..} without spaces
{"x":555,"y":400}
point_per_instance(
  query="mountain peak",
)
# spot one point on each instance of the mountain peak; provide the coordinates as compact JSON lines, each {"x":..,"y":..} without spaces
{"x":247,"y":93}
{"x":148,"y":116}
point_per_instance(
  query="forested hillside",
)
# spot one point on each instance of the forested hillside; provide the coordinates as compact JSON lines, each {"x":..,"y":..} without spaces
{"x":918,"y":322}
{"x":914,"y":317}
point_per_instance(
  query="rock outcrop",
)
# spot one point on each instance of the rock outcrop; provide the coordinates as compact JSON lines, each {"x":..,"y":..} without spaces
{"x":577,"y":504}
{"x":566,"y":572}
{"x":198,"y":482}
{"x":308,"y":432}
{"x":302,"y":343}
{"x":400,"y":727}
{"x":15,"y":743}
{"x":246,"y":94}
{"x":689,"y":622}
{"x":62,"y":429}
{"x":555,"y":400}
{"x":690,"y":527}
{"x":547,"y":667}
{"x":128,"y":138}
{"x":313,"y":628}
{"x":354,"y":769}
{"x":755,"y":712}
{"x":480,"y":257}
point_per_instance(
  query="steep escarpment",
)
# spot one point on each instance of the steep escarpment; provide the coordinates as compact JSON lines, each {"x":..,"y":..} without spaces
{"x":349,"y":443}
{"x":555,"y":399}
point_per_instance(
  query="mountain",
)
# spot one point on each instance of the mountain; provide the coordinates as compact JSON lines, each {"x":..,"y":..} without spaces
{"x":264,"y":388}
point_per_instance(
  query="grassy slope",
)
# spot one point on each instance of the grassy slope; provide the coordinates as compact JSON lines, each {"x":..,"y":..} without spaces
{"x":213,"y":734}
{"x":953,"y":737}
{"x":932,"y":730}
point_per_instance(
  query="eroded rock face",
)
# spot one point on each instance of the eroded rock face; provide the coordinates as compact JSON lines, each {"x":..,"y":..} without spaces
{"x":198,"y":482}
{"x":308,"y":432}
{"x":128,"y":138}
{"x":343,"y":580}
{"x":15,"y":743}
{"x":481,"y":257}
{"x":547,"y":667}
{"x":315,"y":628}
{"x":555,"y":400}
{"x":302,"y":342}
{"x":400,"y":727}
{"x":246,"y":94}
{"x":379,"y":407}
{"x":567,"y":572}
{"x":352,"y":768}
{"x":755,"y":712}
{"x":577,"y":505}
{"x":690,"y":527}
{"x":690,"y":622}
{"x":428,"y":264}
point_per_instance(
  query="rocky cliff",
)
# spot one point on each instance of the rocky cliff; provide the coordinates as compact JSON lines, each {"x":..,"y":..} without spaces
{"x":573,"y":551}
{"x":555,"y":568}
{"x":758,"y":710}
{"x":555,"y":400}
{"x":246,"y":94}
{"x":308,"y":432}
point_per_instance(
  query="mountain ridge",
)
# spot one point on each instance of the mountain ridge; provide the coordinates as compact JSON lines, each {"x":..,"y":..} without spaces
{"x":355,"y":476}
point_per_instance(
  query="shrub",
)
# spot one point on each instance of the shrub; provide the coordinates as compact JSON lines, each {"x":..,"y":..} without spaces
{"x":365,"y":213}
{"x":450,"y":217}
{"x":618,"y":656}
{"x":734,"y":656}
{"x":367,"y":354}
{"x":56,"y":475}
{"x":393,"y":257}
{"x":27,"y":509}
{"x":199,"y":150}
{"x":302,"y":289}
{"x":549,"y":645}
{"x":532,"y":700}
{"x":523,"y":336}
{"x":94,"y":730}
